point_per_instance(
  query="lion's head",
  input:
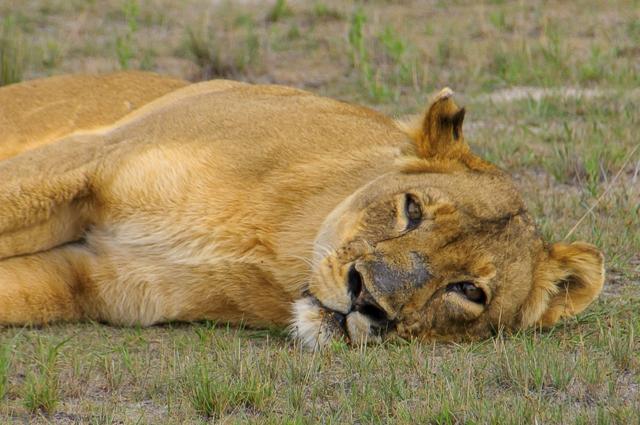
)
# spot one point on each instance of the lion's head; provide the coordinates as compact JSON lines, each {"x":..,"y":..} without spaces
{"x":441,"y":249}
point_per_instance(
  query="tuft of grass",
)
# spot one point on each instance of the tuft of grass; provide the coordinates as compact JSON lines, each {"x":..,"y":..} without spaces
{"x":444,"y":51}
{"x":359,"y":54}
{"x":499,"y":20}
{"x":209,"y":46}
{"x":293,"y":33}
{"x":633,"y":28}
{"x":250,"y":52}
{"x":104,"y":417}
{"x":212,"y":394}
{"x":386,"y":65}
{"x":535,"y":365}
{"x":621,"y":344}
{"x":113,"y":373}
{"x":12,"y":52}
{"x":206,"y":51}
{"x":370,"y":78}
{"x":5,"y":364}
{"x":541,"y":63}
{"x":42,"y":385}
{"x":125,"y":44}
{"x":323,"y":12}
{"x":402,"y":62}
{"x":396,"y":48}
{"x":595,"y":67}
{"x":51,"y":55}
{"x":279,"y":11}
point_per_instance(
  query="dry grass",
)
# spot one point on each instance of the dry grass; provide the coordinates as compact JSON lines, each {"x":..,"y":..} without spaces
{"x":551,"y":91}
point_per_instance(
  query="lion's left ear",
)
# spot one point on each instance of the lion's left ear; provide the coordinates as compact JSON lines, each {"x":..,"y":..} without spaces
{"x":565,"y":283}
{"x":438,"y":139}
{"x":439,"y":131}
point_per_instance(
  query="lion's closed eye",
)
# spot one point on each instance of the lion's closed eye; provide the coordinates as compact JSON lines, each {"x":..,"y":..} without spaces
{"x":412,"y":211}
{"x":465,"y":300}
{"x":470,"y":291}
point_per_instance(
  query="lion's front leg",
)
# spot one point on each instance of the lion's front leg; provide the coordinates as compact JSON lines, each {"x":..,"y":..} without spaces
{"x":42,"y":288}
{"x":146,"y":290}
{"x":65,"y":224}
{"x":41,"y":212}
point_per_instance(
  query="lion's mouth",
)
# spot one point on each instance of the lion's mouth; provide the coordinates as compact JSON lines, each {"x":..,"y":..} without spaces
{"x":316,"y":325}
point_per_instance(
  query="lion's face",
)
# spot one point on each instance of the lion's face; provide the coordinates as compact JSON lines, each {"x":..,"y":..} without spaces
{"x":439,"y":253}
{"x":424,"y":255}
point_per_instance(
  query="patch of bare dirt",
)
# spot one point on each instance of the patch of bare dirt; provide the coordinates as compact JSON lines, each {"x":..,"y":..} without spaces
{"x":512,"y":94}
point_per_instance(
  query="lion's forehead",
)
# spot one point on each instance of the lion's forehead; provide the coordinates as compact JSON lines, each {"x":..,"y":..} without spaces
{"x":477,"y":213}
{"x":483,"y":196}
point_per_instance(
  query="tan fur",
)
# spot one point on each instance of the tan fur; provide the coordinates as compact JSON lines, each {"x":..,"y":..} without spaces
{"x":265,"y":205}
{"x":37,"y":112}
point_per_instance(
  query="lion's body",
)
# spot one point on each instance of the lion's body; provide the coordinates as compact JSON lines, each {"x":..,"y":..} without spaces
{"x":206,"y":203}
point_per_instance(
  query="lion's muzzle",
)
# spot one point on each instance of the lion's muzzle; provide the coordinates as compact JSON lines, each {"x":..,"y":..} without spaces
{"x":379,"y":286}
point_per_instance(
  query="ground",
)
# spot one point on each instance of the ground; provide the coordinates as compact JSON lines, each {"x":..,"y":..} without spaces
{"x":551,"y":90}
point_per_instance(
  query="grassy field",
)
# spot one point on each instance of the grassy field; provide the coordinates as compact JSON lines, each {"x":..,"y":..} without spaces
{"x":552,"y":93}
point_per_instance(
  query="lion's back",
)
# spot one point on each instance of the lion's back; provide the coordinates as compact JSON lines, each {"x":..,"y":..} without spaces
{"x":37,"y":112}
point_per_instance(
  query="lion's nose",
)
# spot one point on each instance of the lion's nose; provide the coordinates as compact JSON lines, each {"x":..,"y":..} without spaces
{"x":363,"y":301}
{"x":354,"y":282}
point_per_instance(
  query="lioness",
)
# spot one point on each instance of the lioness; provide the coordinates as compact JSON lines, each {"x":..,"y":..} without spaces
{"x":266,"y":205}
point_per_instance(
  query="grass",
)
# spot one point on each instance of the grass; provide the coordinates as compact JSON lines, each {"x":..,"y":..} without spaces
{"x":42,"y":381}
{"x":11,"y":52}
{"x":125,"y":48}
{"x":209,"y":46}
{"x":361,"y":58}
{"x":279,"y":11}
{"x":324,"y":12}
{"x":583,"y":369}
{"x":551,"y":96}
{"x":5,"y":364}
{"x":218,"y":387}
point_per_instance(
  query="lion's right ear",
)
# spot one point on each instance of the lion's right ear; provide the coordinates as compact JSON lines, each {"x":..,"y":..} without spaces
{"x":565,"y":282}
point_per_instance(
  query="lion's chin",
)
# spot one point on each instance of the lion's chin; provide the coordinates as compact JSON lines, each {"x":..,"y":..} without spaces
{"x":315,"y":326}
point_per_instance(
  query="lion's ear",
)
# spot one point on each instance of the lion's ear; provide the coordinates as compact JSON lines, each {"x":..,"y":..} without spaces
{"x":439,"y":132}
{"x":565,"y":283}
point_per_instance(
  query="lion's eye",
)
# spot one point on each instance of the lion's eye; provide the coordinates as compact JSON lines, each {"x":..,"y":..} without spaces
{"x":413,"y":211}
{"x":469,"y":290}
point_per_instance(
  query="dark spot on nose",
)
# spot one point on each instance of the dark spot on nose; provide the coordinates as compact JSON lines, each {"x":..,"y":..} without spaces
{"x":367,"y":305}
{"x":354,"y":282}
{"x":389,"y":278}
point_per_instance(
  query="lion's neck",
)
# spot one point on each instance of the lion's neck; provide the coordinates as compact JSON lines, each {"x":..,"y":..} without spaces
{"x":296,"y":207}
